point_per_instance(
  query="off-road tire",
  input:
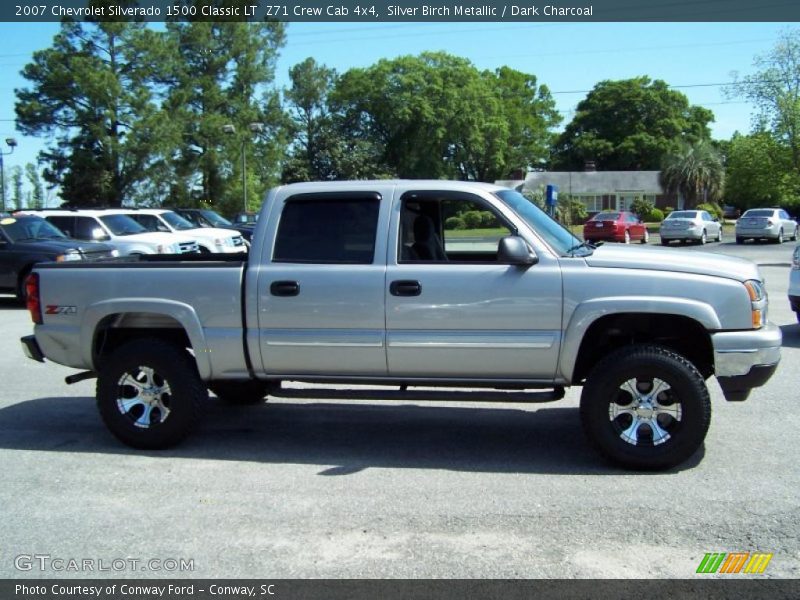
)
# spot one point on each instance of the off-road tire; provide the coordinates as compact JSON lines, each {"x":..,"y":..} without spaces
{"x":149,"y":394}
{"x":610,"y":421}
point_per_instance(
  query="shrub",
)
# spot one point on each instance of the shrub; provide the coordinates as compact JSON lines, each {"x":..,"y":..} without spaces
{"x":455,"y":223}
{"x":472,"y":219}
{"x":487,"y":219}
{"x":656,"y":216}
{"x":713,"y":209}
{"x":668,"y":210}
{"x":642,"y":207}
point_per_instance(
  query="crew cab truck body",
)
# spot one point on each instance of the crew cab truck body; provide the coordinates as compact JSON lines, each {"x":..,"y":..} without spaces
{"x":379,"y":282}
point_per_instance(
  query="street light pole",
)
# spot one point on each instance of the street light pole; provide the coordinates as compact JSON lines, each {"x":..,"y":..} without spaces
{"x":255,"y":129}
{"x":12,"y":143}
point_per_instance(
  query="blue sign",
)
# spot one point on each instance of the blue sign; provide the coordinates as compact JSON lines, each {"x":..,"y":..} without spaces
{"x":551,"y":198}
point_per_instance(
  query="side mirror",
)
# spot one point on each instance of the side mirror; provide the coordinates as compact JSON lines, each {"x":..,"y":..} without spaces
{"x":513,"y":250}
{"x":99,"y":235}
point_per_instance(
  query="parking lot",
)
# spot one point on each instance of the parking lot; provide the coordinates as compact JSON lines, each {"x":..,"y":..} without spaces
{"x":324,"y":488}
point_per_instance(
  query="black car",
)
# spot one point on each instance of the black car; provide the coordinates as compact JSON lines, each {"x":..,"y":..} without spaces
{"x":26,"y":240}
{"x":204,"y":217}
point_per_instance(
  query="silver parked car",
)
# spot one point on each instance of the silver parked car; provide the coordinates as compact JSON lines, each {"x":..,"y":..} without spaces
{"x":766,"y":224}
{"x":695,"y":225}
{"x":794,"y":283}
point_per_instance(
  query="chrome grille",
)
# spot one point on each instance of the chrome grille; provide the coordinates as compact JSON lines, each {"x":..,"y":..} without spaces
{"x":189,"y":247}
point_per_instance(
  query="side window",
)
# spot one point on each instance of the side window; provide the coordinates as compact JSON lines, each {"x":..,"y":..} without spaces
{"x":336,"y":229}
{"x":451,"y":228}
{"x":84,"y":228}
{"x":149,"y":222}
{"x":65,"y":224}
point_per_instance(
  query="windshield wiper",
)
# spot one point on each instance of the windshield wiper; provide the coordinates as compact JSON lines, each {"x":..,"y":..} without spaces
{"x":583,"y":244}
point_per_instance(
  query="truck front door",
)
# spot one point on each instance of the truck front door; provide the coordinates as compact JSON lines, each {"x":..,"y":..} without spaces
{"x":453,"y":310}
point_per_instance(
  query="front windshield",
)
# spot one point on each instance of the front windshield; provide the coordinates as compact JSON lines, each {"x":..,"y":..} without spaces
{"x":176,"y":221}
{"x":552,"y":232}
{"x":682,"y":214}
{"x":122,"y":225}
{"x":215,"y":219}
{"x":30,"y":228}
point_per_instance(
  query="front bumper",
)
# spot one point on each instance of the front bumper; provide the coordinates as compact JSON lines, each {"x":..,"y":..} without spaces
{"x":744,"y":360}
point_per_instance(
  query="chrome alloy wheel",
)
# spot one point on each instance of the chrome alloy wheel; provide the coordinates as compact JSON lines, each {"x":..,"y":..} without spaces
{"x":144,"y":397}
{"x":644,"y":412}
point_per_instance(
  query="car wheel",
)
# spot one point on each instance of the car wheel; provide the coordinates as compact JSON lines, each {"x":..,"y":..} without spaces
{"x":150,"y":394}
{"x":739,"y":240}
{"x":645,"y":407}
{"x":627,"y":237}
{"x":664,"y":242}
{"x":719,"y":235}
{"x":243,"y":392}
{"x":794,"y":235}
{"x":779,"y":239}
{"x":646,"y":237}
{"x":703,"y":238}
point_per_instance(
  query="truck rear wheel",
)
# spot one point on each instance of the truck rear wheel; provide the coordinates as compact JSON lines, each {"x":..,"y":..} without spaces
{"x":645,"y":407}
{"x":149,"y":394}
{"x":243,"y":392}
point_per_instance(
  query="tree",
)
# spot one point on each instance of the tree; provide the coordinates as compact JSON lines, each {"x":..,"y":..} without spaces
{"x":695,"y":172}
{"x":530,"y":112}
{"x":90,"y":93}
{"x":437,"y":116}
{"x":17,"y":197}
{"x":36,"y":196}
{"x":630,"y":125}
{"x":775,"y":89}
{"x":759,"y":173}
{"x":212,"y":80}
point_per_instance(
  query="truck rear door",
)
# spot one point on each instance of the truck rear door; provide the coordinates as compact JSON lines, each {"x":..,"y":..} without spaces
{"x":320,"y":286}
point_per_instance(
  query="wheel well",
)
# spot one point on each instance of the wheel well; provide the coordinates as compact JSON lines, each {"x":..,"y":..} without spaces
{"x":681,"y":334}
{"x":115,"y":330}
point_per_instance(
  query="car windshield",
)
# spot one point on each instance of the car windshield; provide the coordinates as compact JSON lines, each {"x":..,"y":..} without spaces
{"x":215,"y":219}
{"x":176,"y":221}
{"x":759,"y":213}
{"x":682,"y":214}
{"x":30,"y":228}
{"x":552,"y":232}
{"x":122,"y":225}
{"x":606,"y":217}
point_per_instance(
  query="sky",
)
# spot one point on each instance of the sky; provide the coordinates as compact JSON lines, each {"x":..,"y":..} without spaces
{"x":570,"y":58}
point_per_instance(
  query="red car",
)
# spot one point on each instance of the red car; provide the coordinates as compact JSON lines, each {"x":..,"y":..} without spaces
{"x":619,"y":226}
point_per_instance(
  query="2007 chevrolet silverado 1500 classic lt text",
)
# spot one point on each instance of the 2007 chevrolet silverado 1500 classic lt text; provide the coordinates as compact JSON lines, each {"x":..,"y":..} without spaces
{"x":384,"y":282}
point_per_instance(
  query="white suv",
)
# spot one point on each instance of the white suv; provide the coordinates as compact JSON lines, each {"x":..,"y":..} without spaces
{"x":209,"y":239}
{"x":121,"y":232}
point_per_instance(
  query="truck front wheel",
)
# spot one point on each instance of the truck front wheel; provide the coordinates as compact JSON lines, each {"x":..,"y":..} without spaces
{"x":645,"y":407}
{"x":149,"y":394}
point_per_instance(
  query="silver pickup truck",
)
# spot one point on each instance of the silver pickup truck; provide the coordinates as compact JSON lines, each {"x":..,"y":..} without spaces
{"x":414,"y":283}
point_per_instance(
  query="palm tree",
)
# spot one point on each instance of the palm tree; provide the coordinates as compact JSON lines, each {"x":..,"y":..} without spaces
{"x":694,"y":172}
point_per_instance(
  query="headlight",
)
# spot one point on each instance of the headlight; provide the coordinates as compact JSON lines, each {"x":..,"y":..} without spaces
{"x":115,"y":253}
{"x":758,"y":302}
{"x":175,"y":248}
{"x":69,"y":255}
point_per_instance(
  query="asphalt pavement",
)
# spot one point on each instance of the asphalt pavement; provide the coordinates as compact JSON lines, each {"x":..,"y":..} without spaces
{"x":326,"y":488}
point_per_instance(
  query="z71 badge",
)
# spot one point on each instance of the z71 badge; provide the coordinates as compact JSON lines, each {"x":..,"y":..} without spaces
{"x":52,"y":309}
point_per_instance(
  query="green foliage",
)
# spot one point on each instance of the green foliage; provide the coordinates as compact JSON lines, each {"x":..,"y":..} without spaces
{"x":437,"y":116}
{"x":630,"y":125}
{"x":570,"y":211}
{"x":642,"y":207}
{"x":759,"y":172}
{"x":656,"y":216}
{"x":714,"y":209}
{"x":695,"y":172}
{"x":455,"y":223}
{"x":473,"y":219}
{"x":36,"y":198}
{"x":668,"y":210}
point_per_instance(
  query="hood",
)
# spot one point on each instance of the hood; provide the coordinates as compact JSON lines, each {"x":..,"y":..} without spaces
{"x":665,"y":259}
{"x":63,"y":245}
{"x":213,"y":232}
